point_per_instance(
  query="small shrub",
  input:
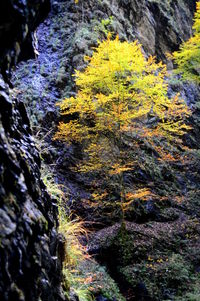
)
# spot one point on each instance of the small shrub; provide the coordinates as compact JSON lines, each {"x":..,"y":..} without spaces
{"x":165,"y":278}
{"x":83,"y":277}
{"x":188,"y":57}
{"x":71,"y":231}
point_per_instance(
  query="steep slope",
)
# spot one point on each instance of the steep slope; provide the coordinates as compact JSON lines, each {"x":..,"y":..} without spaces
{"x":30,"y":248}
{"x":71,"y":30}
{"x":69,"y":33}
{"x":145,"y":254}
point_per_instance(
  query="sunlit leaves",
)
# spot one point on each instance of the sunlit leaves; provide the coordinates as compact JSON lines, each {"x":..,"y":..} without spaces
{"x":130,"y":197}
{"x":121,"y":99}
{"x":188,"y":57}
{"x":119,"y":86}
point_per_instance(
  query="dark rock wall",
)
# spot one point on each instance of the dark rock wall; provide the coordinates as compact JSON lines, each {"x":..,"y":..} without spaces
{"x":18,"y":19}
{"x":71,"y":30}
{"x":30,"y":247}
{"x":30,"y":251}
{"x":69,"y":33}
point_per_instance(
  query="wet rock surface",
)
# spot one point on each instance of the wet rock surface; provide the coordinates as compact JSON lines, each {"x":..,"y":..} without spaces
{"x":30,"y":247}
{"x":18,"y":21}
{"x":160,"y":234}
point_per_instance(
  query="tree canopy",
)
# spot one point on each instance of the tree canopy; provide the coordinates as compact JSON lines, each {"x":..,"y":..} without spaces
{"x":188,"y":57}
{"x":121,"y":99}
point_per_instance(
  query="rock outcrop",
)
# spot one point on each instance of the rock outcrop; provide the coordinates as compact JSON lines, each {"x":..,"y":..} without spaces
{"x":17,"y":23}
{"x":30,"y":247}
{"x":70,"y":32}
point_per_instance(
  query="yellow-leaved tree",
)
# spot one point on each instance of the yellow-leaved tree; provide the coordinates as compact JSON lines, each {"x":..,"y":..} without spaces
{"x":121,"y":100}
{"x":188,"y":57}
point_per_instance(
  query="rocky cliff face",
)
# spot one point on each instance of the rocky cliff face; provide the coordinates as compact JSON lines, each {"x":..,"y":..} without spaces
{"x":160,"y":26}
{"x":69,"y":33}
{"x":18,"y":21}
{"x":30,"y":248}
{"x":72,"y":30}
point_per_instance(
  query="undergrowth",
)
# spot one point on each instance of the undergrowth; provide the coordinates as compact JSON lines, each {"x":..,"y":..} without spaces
{"x":75,"y":252}
{"x":83,"y":277}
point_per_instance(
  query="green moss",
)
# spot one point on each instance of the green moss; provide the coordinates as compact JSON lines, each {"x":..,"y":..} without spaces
{"x":17,"y":292}
{"x":101,"y":282}
{"x":122,"y":247}
{"x":165,"y":277}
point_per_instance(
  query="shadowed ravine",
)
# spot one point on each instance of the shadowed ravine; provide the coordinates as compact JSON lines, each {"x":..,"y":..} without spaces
{"x":149,"y":251}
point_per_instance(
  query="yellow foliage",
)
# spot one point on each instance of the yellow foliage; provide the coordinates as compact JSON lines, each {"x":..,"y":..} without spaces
{"x":118,"y":94}
{"x":118,"y":169}
{"x":143,"y":194}
{"x":188,"y":57}
{"x":118,"y":87}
